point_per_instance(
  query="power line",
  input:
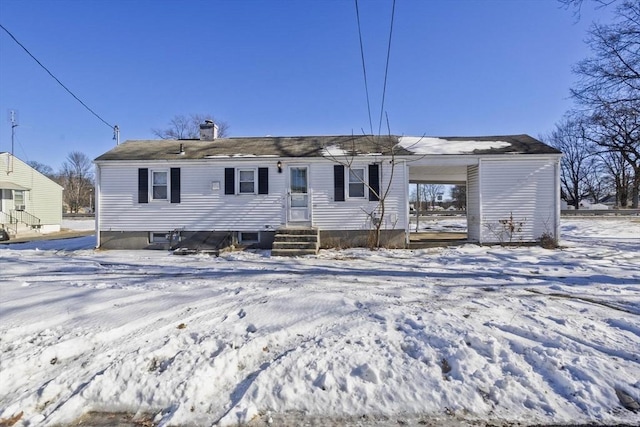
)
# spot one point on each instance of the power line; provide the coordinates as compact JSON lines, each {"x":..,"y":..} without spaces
{"x":56,"y":79}
{"x":364,"y":68}
{"x":386,"y":70}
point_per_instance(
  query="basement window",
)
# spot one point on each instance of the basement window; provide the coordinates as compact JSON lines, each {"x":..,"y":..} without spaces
{"x":155,"y":237}
{"x":249,"y":237}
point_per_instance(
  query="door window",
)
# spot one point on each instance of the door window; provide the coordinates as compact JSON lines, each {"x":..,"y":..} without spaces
{"x":298,"y":187}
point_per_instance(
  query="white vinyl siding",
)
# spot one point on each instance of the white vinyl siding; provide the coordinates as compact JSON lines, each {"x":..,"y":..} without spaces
{"x":473,"y":204}
{"x":203,"y":205}
{"x":351,"y":214}
{"x":521,"y":193}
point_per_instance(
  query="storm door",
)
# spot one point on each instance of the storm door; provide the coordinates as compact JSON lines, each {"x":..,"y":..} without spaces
{"x":298,"y":194}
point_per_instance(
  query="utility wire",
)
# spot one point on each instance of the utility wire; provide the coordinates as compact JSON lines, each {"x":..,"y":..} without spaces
{"x":364,"y":68}
{"x":386,"y":70}
{"x":56,"y":79}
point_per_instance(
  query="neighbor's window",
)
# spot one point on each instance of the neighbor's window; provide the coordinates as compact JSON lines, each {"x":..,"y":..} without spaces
{"x":18,"y":199}
{"x":356,"y":182}
{"x":159,"y":185}
{"x":246,"y":181}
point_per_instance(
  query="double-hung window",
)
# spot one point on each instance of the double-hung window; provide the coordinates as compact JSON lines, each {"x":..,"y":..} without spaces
{"x":159,"y":185}
{"x":246,"y":181}
{"x":18,"y":199}
{"x":356,"y":182}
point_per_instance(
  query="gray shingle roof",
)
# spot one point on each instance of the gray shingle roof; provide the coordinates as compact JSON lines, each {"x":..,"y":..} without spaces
{"x":300,"y":146}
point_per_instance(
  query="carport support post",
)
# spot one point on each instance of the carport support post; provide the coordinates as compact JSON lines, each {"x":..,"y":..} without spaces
{"x":417,"y":206}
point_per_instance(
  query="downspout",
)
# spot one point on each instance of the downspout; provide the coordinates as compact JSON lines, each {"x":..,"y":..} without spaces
{"x":96,"y":206}
{"x":480,"y":219}
{"x":407,"y":220}
{"x":558,"y":201}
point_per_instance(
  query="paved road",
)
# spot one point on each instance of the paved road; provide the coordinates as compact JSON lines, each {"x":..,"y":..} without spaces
{"x":64,"y":234}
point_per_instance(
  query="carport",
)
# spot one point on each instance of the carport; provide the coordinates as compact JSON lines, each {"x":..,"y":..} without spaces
{"x":512,"y":185}
{"x":433,"y":171}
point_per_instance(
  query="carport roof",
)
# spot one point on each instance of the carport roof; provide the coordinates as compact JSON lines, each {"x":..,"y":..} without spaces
{"x":457,"y":145}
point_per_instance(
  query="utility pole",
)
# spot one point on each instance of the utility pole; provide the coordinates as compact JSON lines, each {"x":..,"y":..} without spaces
{"x":116,"y":134}
{"x":14,"y":125}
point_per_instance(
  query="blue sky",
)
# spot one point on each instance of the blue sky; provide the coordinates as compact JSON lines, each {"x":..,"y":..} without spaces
{"x":283,"y":67}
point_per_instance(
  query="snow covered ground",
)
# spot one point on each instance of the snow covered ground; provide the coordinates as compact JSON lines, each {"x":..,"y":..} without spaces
{"x":79,"y":224}
{"x":455,"y":336}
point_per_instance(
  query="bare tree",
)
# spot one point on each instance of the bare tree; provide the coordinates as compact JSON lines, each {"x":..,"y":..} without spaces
{"x":45,"y":170}
{"x":577,"y":4}
{"x":76,"y":177}
{"x":389,"y":148}
{"x":597,"y":181}
{"x":188,"y":127}
{"x":459,"y":196}
{"x":576,"y":164}
{"x":618,"y":172}
{"x":611,"y":76}
{"x":619,"y":131}
{"x":609,"y":87}
{"x":425,"y":194}
{"x":432,"y":192}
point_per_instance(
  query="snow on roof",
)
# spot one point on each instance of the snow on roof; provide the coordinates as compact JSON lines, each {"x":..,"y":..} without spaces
{"x":429,"y":145}
{"x":334,"y":151}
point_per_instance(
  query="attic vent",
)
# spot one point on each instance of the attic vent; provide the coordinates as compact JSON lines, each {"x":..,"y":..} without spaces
{"x":208,"y":131}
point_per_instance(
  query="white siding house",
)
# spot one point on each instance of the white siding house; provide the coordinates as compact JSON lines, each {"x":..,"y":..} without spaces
{"x":29,"y":201}
{"x":520,"y":199}
{"x":214,"y":192}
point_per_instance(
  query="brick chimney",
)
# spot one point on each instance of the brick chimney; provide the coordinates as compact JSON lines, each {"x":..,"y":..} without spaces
{"x":208,"y":131}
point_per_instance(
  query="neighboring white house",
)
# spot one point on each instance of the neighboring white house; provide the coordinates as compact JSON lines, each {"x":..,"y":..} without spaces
{"x":243,"y":190}
{"x":29,"y":201}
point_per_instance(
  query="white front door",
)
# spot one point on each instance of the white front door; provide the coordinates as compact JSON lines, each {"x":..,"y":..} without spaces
{"x":298,"y":194}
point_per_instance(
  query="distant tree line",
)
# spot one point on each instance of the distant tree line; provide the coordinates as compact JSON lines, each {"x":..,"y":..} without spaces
{"x":600,"y":137}
{"x":77,"y":179}
{"x":428,"y":196}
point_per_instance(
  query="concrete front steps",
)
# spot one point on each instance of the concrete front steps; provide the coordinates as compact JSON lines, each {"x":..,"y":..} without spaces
{"x":296,"y":242}
{"x":22,"y":231}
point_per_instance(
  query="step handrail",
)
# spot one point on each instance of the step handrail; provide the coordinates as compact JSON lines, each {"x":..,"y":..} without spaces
{"x":26,"y":218}
{"x":8,"y":222}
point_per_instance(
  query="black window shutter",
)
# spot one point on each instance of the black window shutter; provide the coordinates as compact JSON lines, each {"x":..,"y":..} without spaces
{"x":263,"y":180}
{"x":374,"y":182}
{"x":175,"y":185}
{"x":338,"y":183}
{"x":229,"y":181}
{"x":143,"y":185}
